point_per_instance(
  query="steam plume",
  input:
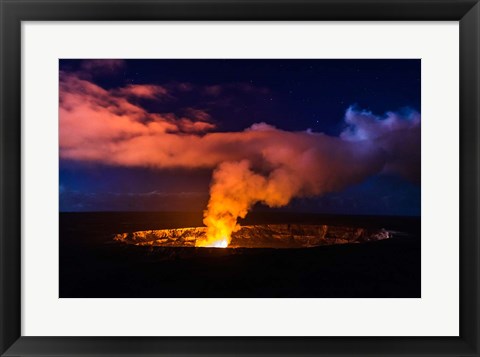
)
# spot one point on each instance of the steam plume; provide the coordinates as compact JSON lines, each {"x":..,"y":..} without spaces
{"x":315,"y":165}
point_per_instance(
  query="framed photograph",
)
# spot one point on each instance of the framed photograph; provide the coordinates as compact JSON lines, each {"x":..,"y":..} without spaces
{"x":239,"y":178}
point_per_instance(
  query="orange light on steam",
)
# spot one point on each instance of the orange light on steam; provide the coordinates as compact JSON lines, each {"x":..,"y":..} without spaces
{"x":218,"y":234}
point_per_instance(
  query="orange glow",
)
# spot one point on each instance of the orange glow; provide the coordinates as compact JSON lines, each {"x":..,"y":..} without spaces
{"x":219,"y":232}
{"x":256,"y":236}
{"x":220,"y":243}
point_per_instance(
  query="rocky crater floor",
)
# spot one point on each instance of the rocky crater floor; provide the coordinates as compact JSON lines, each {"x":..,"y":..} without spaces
{"x":259,"y":236}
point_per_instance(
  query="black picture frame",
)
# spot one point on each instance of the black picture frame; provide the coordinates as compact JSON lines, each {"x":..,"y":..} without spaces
{"x":13,"y":12}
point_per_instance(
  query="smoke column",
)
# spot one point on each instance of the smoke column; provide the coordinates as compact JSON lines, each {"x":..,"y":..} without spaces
{"x":313,"y":166}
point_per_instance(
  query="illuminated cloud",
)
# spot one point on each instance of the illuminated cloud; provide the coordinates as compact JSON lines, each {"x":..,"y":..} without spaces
{"x":198,"y":114}
{"x":93,"y":119}
{"x":142,"y":91}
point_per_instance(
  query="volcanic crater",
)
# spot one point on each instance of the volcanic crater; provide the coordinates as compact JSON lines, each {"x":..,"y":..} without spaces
{"x":259,"y":236}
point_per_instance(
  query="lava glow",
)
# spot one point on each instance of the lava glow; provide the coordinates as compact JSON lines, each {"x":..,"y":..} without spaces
{"x":219,"y":231}
{"x":213,"y":243}
{"x":220,"y":243}
{"x":256,"y":236}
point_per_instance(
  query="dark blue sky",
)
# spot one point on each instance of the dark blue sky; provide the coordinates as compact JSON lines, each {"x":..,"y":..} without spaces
{"x":292,"y":95}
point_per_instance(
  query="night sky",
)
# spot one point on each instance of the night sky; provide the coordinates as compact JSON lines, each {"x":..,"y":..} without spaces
{"x":230,"y":96}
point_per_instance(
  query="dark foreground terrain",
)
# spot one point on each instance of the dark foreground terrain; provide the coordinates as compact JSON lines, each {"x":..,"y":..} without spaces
{"x":93,"y":265}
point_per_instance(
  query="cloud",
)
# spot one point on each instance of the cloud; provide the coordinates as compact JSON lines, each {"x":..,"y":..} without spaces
{"x":364,"y":125}
{"x":100,"y":126}
{"x":147,"y":91}
{"x":94,"y":121}
{"x":261,"y":127}
{"x":213,"y":90}
{"x":398,"y":134}
{"x":198,"y":114}
{"x":192,"y":126}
